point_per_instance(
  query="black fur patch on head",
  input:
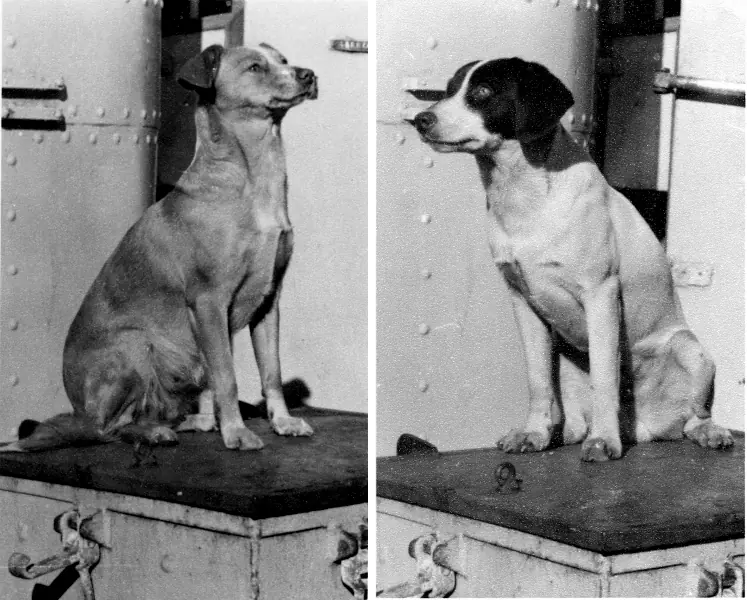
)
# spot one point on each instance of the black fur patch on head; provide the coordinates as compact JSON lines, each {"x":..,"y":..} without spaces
{"x":199,"y":73}
{"x":518,"y":99}
{"x":457,"y":80}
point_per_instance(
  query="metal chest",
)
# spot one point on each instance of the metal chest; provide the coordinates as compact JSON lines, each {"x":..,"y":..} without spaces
{"x":666,"y":520}
{"x":447,"y":344}
{"x":194,"y":520}
{"x":80,"y":122}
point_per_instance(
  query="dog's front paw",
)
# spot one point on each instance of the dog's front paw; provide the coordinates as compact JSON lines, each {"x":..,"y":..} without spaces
{"x":290,"y":426}
{"x":524,"y":441}
{"x":238,"y":437}
{"x":161,"y":435}
{"x":598,"y":449}
{"x":709,"y":435}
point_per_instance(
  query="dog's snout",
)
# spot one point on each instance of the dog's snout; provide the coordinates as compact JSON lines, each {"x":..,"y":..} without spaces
{"x":424,"y":121}
{"x":304,"y":75}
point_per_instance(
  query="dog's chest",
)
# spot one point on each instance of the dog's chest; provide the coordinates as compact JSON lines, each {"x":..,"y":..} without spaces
{"x":265,"y":260}
{"x":543,"y":277}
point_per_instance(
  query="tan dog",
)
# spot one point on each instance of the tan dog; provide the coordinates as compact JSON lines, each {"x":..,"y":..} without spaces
{"x":152,"y":341}
{"x":590,"y":284}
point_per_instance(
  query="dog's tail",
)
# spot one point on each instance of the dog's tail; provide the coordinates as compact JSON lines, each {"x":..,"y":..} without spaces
{"x":170,"y":381}
{"x":61,"y":431}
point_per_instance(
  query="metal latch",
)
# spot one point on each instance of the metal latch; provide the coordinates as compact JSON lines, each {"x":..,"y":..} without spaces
{"x":438,"y":561}
{"x":348,"y":44}
{"x":81,"y":540}
{"x":666,"y":82}
{"x":351,"y":552}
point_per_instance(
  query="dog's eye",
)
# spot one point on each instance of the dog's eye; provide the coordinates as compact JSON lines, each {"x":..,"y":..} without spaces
{"x":482,"y":92}
{"x":254,"y":68}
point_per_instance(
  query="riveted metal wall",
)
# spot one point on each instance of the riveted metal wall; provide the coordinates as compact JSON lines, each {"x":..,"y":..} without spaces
{"x":706,"y":212}
{"x":449,"y":361}
{"x":80,"y":121}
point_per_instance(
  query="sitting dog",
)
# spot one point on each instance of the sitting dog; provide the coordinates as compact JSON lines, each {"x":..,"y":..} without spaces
{"x":150,"y":348}
{"x":591,"y":286}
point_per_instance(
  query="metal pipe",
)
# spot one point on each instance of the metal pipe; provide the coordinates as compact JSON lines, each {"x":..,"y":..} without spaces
{"x":665,"y":82}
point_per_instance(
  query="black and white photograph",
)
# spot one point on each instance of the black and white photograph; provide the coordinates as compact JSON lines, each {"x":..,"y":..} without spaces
{"x":464,"y":279}
{"x":560,"y":298}
{"x":184,"y":299}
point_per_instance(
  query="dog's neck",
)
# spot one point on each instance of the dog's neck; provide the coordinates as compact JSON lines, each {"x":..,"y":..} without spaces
{"x":249,"y":151}
{"x":519,"y":176}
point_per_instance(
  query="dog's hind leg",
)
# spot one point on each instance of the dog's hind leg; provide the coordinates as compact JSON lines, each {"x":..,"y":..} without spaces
{"x":691,"y":358}
{"x":264,"y":335}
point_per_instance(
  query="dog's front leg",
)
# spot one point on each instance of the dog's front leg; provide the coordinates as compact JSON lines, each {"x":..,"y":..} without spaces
{"x":212,"y":331}
{"x":602,"y":305}
{"x":264,"y":335}
{"x":537,"y":345}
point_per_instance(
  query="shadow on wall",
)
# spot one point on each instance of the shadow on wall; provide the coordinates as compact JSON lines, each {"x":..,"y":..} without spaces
{"x":295,"y":392}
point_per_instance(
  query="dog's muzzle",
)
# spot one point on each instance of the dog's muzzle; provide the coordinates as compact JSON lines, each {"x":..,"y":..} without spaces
{"x":424,"y":121}
{"x":307,"y":77}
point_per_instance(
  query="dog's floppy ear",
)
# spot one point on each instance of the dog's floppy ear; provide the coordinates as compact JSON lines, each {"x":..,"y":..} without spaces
{"x":541,"y":101}
{"x":199,"y":73}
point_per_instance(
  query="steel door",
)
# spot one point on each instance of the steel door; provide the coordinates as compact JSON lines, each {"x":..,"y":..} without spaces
{"x":706,"y":202}
{"x":80,"y":119}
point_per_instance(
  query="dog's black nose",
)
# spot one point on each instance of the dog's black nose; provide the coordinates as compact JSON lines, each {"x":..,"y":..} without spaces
{"x":424,"y":121}
{"x":304,"y":75}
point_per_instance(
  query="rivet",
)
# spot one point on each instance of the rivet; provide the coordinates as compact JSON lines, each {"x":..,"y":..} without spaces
{"x":428,"y":162}
{"x":144,"y":113}
{"x":100,"y":111}
{"x":12,"y":270}
{"x":431,"y":43}
{"x":59,"y":82}
{"x":11,"y":160}
{"x":155,"y":113}
{"x":13,"y":324}
{"x":585,"y":119}
{"x":423,"y":386}
{"x":167,"y":563}
{"x":589,"y":5}
{"x":423,"y":328}
{"x":6,"y":112}
{"x":400,"y":138}
{"x":116,"y":138}
{"x":65,"y":137}
{"x":58,"y":113}
{"x":426,"y":218}
{"x":92,"y":138}
{"x":596,"y":7}
{"x":72,"y":110}
{"x":426,"y":273}
{"x":10,"y":215}
{"x":148,"y":138}
{"x":136,"y":138}
{"x":11,"y":42}
{"x":38,"y":137}
{"x":13,"y":380}
{"x":126,"y":113}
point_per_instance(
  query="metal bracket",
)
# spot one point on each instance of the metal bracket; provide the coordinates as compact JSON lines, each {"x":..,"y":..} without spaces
{"x":437,"y":564}
{"x":507,"y":480}
{"x":728,"y":583}
{"x":348,"y":44}
{"x":351,"y":552}
{"x":81,"y":540}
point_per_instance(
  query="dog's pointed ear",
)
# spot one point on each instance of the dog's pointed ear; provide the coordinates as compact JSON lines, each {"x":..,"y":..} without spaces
{"x":199,"y":73}
{"x":541,"y":101}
